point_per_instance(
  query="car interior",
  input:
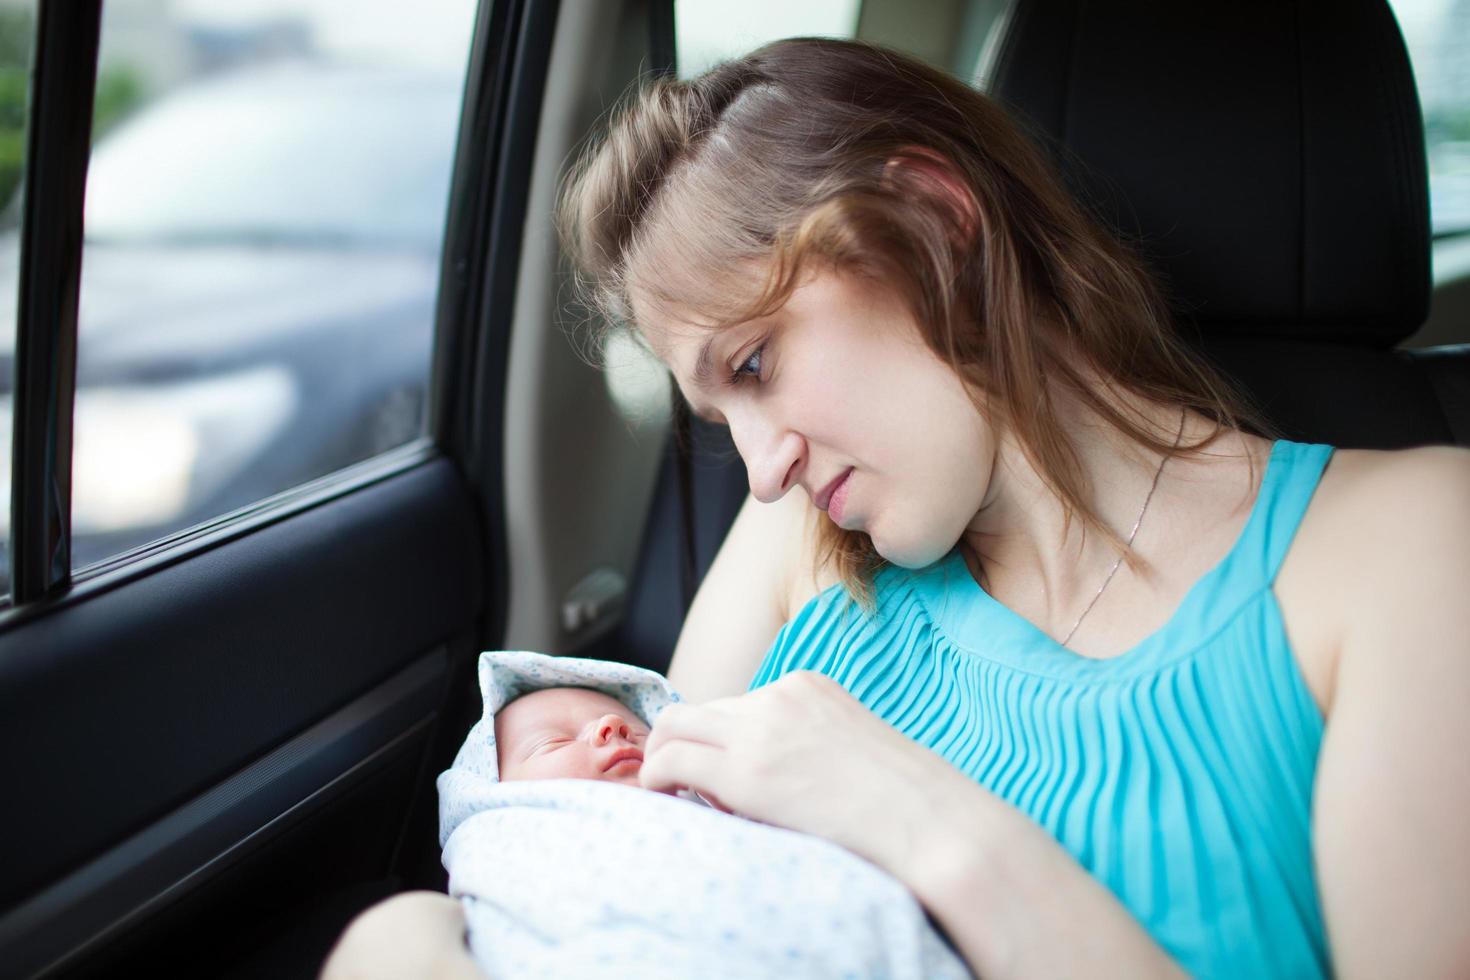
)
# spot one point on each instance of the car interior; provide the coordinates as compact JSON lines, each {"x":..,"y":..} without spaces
{"x":222,"y":746}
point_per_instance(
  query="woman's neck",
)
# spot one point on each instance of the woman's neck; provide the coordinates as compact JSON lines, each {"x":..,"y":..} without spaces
{"x":1027,"y":552}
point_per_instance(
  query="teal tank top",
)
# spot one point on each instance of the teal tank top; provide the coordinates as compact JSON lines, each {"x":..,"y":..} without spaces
{"x":1179,"y":773}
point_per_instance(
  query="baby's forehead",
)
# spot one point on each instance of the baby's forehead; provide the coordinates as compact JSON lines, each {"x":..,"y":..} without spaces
{"x":561,"y":704}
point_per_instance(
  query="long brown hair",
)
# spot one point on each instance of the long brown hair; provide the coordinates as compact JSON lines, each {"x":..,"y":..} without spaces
{"x":781,"y":161}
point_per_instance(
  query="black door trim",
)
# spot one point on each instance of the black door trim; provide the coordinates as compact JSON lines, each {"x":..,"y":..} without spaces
{"x":187,"y":847}
{"x":60,"y":123}
{"x":481,"y":417}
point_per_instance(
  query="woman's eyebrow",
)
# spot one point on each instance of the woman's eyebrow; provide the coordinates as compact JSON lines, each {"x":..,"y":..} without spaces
{"x":704,"y":364}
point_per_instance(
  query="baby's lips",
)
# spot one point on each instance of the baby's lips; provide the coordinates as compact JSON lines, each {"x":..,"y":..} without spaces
{"x":623,"y":755}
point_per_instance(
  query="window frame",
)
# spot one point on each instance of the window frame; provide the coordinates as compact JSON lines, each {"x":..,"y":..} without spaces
{"x":59,"y":117}
{"x":58,"y":144}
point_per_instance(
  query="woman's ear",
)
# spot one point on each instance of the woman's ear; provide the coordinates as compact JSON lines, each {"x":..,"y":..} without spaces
{"x":918,"y":170}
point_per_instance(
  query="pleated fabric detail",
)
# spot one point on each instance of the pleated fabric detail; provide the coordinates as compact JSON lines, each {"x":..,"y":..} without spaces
{"x":1178,"y":773}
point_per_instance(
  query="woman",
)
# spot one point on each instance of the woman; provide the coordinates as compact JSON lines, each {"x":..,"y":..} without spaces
{"x":1114,"y":683}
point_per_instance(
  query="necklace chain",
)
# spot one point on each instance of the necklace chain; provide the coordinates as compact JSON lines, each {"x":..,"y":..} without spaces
{"x":1131,"y":535}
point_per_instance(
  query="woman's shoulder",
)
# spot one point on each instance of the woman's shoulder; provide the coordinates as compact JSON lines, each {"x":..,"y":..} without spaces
{"x":1384,"y":531}
{"x":1403,"y":513}
{"x":1375,"y":495}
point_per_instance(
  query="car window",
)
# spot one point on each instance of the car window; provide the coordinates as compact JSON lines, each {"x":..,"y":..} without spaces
{"x":707,"y":32}
{"x":949,"y":34}
{"x":17,"y":32}
{"x":265,"y":205}
{"x":1437,"y":33}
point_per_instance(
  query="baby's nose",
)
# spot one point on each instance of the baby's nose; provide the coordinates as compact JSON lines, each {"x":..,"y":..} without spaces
{"x":608,"y":726}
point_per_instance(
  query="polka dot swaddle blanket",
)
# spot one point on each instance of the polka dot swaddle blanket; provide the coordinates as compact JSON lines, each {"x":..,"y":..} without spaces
{"x":573,"y":878}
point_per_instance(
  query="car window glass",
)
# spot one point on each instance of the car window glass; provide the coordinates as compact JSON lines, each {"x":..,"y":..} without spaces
{"x":949,"y":34}
{"x":265,"y":205}
{"x":1437,"y":33}
{"x":17,"y":34}
{"x":707,"y":32}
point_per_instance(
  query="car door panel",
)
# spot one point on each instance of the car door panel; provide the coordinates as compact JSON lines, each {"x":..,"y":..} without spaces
{"x":216,"y":743}
{"x":377,"y":738}
{"x":168,"y":720}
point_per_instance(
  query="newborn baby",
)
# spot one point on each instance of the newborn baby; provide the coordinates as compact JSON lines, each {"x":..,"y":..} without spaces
{"x":567,"y":868}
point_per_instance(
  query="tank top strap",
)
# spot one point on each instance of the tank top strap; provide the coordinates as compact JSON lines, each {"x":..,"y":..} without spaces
{"x":1291,"y":477}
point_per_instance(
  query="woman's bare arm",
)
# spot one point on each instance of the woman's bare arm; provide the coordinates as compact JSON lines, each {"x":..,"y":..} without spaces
{"x":1015,"y":903}
{"x":744,"y":599}
{"x":1392,"y":795}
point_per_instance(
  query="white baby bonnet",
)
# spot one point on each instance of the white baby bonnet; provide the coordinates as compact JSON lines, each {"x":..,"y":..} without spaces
{"x":504,"y":675}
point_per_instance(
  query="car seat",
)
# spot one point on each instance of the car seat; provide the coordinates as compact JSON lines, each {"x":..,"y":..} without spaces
{"x":1268,"y":158}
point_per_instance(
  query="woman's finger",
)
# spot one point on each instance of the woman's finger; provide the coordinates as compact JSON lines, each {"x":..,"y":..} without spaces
{"x":678,"y":764}
{"x":715,"y":802}
{"x":706,"y":723}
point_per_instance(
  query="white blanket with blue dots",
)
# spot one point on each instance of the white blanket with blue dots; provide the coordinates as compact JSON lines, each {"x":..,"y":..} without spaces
{"x":577,"y":878}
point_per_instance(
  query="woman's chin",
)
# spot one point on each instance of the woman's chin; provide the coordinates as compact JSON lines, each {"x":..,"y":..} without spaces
{"x":908,"y":553}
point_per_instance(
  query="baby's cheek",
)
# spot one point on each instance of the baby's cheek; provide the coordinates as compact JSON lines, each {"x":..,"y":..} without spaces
{"x":565,"y":763}
{"x":532,"y":768}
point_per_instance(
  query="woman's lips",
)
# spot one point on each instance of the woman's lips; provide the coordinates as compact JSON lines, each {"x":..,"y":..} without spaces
{"x":838,"y":500}
{"x":823,"y":499}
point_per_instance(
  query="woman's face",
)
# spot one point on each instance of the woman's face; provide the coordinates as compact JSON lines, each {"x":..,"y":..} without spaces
{"x":837,"y":389}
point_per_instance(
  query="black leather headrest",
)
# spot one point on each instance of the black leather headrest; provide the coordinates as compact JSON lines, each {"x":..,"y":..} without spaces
{"x":1266,"y":155}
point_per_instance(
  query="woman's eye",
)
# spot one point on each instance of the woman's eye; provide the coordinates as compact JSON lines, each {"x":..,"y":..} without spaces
{"x":750,"y":368}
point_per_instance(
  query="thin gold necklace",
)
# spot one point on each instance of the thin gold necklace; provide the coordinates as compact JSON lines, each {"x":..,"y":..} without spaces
{"x":1131,"y":535}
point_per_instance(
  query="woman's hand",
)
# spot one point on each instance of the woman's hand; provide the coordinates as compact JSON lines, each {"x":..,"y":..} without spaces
{"x":804,"y":754}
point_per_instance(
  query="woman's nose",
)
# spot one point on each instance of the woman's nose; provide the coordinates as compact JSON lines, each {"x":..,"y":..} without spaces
{"x":607,"y":726}
{"x":772,"y":456}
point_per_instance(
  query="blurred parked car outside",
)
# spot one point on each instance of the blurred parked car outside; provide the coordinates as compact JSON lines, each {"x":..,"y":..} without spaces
{"x":250,"y":319}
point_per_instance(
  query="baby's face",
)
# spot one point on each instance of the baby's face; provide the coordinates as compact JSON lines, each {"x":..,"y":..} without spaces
{"x":569,"y":733}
